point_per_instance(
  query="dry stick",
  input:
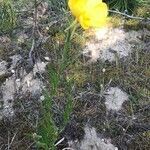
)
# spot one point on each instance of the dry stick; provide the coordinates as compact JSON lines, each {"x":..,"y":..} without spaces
{"x":33,"y":33}
{"x":30,"y":145}
{"x":128,"y":16}
{"x":8,"y":141}
{"x":60,"y":141}
{"x":68,"y":148}
{"x":12,"y":140}
{"x":35,"y":28}
{"x":31,"y":51}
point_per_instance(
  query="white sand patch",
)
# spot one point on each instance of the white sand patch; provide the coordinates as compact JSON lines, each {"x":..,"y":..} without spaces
{"x":8,"y":90}
{"x":22,"y":37}
{"x":27,"y":83}
{"x":110,"y":44}
{"x":15,"y":59}
{"x":101,"y":33}
{"x":115,"y":97}
{"x":31,"y":84}
{"x":39,"y":67}
{"x":92,"y":51}
{"x":92,"y":142}
{"x":3,"y":68}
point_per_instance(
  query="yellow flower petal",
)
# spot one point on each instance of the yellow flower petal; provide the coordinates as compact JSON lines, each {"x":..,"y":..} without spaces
{"x":98,"y":15}
{"x":84,"y":21}
{"x":77,"y":6}
{"x":92,"y":3}
{"x":89,"y":13}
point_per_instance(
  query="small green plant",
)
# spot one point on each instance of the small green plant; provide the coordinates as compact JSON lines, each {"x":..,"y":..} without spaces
{"x":48,"y":129}
{"x":123,"y":5}
{"x":7,"y":16}
{"x":69,"y":104}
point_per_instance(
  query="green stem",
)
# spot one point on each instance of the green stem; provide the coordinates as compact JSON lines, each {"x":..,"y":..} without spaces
{"x":70,"y":32}
{"x":72,"y":25}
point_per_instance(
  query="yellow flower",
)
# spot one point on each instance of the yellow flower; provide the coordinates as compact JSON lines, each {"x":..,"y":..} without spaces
{"x":89,"y":13}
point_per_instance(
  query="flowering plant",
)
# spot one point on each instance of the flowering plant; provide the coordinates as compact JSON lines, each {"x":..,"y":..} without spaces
{"x":89,"y":13}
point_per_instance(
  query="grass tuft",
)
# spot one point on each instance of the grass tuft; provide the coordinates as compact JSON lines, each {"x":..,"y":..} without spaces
{"x":7,"y":16}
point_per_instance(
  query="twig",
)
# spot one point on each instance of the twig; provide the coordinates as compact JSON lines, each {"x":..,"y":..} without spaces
{"x":30,"y":146}
{"x":10,"y":141}
{"x":31,"y":51}
{"x":68,"y":148}
{"x":128,"y":16}
{"x":86,"y":93}
{"x":33,"y":33}
{"x":60,"y":141}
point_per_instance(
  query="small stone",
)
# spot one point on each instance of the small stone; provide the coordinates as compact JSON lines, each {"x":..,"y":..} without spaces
{"x":133,"y":117}
{"x":17,"y":80}
{"x":47,"y":58}
{"x":47,"y":28}
{"x":101,"y":85}
{"x":13,"y":71}
{"x":103,"y":70}
{"x":42,"y":98}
